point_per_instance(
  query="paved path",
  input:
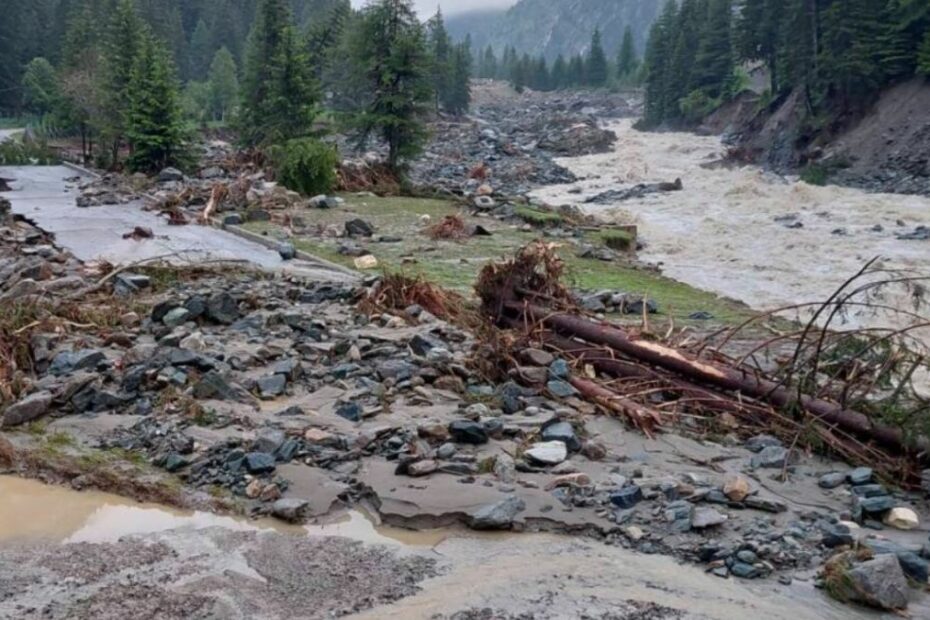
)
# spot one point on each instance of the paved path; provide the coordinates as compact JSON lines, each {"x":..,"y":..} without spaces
{"x":46,"y":196}
{"x":6,"y":134}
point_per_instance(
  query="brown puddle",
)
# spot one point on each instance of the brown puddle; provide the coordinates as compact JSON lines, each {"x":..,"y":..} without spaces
{"x":33,"y":511}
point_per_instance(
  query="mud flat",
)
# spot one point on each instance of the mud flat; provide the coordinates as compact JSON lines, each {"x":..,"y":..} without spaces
{"x":65,"y":554}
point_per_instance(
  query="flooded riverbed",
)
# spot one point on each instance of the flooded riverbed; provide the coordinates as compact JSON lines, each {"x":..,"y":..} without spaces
{"x":546,"y":575}
{"x":721,"y":234}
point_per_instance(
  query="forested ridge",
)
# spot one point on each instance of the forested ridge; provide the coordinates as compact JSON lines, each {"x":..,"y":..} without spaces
{"x":133,"y":77}
{"x":840,"y":53}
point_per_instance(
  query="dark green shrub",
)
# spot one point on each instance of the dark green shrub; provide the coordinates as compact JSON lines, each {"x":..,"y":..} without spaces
{"x":306,"y":165}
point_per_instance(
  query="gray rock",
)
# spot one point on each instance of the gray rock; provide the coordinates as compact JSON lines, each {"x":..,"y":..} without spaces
{"x":879,"y":583}
{"x":505,"y":469}
{"x":272,"y":386}
{"x":232,"y":219}
{"x":831,"y":480}
{"x":765,"y":504}
{"x":745,"y":571}
{"x":213,"y":386}
{"x":860,"y":475}
{"x":287,"y":251}
{"x":564,"y":432}
{"x":26,"y":410}
{"x":175,"y":462}
{"x":222,"y":308}
{"x":269,"y":440}
{"x":561,"y":389}
{"x":170,"y":174}
{"x":836,"y":535}
{"x":69,"y":361}
{"x":705,"y":517}
{"x":290,"y":509}
{"x":350,"y":411}
{"x":259,"y":463}
{"x":446,"y":451}
{"x":771,"y":457}
{"x":877,"y":505}
{"x":466,"y":431}
{"x":547,"y":453}
{"x":759,"y":442}
{"x":399,"y":370}
{"x":498,"y":516}
{"x":627,"y":497}
{"x":176,"y":317}
{"x":359,"y":228}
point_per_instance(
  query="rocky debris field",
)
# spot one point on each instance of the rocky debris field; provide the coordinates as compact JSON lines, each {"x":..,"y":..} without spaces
{"x":288,"y":398}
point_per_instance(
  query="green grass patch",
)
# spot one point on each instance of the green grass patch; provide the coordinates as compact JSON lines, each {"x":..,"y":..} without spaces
{"x":619,"y":240}
{"x":456,"y":264}
{"x":815,"y":174}
{"x":537,"y":217}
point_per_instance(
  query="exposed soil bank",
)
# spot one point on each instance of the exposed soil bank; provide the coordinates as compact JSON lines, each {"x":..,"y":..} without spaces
{"x":884,"y":148}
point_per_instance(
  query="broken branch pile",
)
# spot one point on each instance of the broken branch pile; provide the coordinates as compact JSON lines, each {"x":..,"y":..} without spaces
{"x":652,"y":382}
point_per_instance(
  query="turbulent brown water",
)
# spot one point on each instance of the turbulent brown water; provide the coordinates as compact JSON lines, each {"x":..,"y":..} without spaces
{"x":720,"y":234}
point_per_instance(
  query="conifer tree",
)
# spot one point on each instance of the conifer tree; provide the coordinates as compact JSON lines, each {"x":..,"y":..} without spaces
{"x":596,"y":62}
{"x":40,"y":86}
{"x":154,"y":127}
{"x":923,"y":56}
{"x":201,"y":51}
{"x":576,"y":71}
{"x":279,"y":94}
{"x":713,"y":65}
{"x":458,"y":98}
{"x":627,"y":62}
{"x":389,"y":51}
{"x":659,"y":102}
{"x":122,"y":42}
{"x":440,"y":48}
{"x":559,"y":77}
{"x":223,"y":84}
{"x":489,"y":64}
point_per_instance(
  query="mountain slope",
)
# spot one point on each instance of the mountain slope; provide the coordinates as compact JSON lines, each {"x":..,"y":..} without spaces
{"x":553,"y":27}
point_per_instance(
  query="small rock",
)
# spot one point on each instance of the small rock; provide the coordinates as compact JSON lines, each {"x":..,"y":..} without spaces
{"x":422,"y":468}
{"x":259,"y":462}
{"x":561,"y":389}
{"x":547,"y":453}
{"x":831,"y":480}
{"x":499,"y":516}
{"x":627,"y":497}
{"x":736,"y":488}
{"x":26,"y":410}
{"x":272,"y":386}
{"x":707,"y":517}
{"x":290,"y":509}
{"x":170,"y":174}
{"x":569,"y":480}
{"x":287,"y":251}
{"x":860,"y":475}
{"x":879,"y":583}
{"x":359,"y":228}
{"x":466,"y":431}
{"x":537,"y":357}
{"x":902,"y":519}
{"x":759,"y":442}
{"x":771,"y":457}
{"x":564,"y":432}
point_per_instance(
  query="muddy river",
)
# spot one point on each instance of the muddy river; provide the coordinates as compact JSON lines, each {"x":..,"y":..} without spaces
{"x":552,"y":576}
{"x":721,"y":233}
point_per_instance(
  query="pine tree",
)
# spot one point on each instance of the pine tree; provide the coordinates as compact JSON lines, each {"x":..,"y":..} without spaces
{"x":576,"y":72}
{"x":440,"y":48}
{"x":154,"y":126}
{"x":713,"y":65}
{"x":489,"y":64}
{"x":923,"y":56}
{"x":596,"y":62}
{"x":122,"y":42}
{"x":559,"y":76}
{"x":389,"y":51}
{"x":458,"y":98}
{"x":627,"y":62}
{"x":541,"y":78}
{"x":849,"y":53}
{"x":201,"y":51}
{"x":41,"y":92}
{"x":279,"y":94}
{"x":223,"y":84}
{"x":758,"y":33}
{"x":659,"y":103}
{"x":797,"y":57}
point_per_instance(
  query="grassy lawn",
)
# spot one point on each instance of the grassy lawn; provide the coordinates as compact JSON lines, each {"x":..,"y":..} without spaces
{"x":455,"y":264}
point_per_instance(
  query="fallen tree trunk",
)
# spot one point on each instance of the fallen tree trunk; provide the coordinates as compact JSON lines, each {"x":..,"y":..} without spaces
{"x":720,"y":377}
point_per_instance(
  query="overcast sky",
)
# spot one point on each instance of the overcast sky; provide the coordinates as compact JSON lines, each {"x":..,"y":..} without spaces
{"x":428,"y":7}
